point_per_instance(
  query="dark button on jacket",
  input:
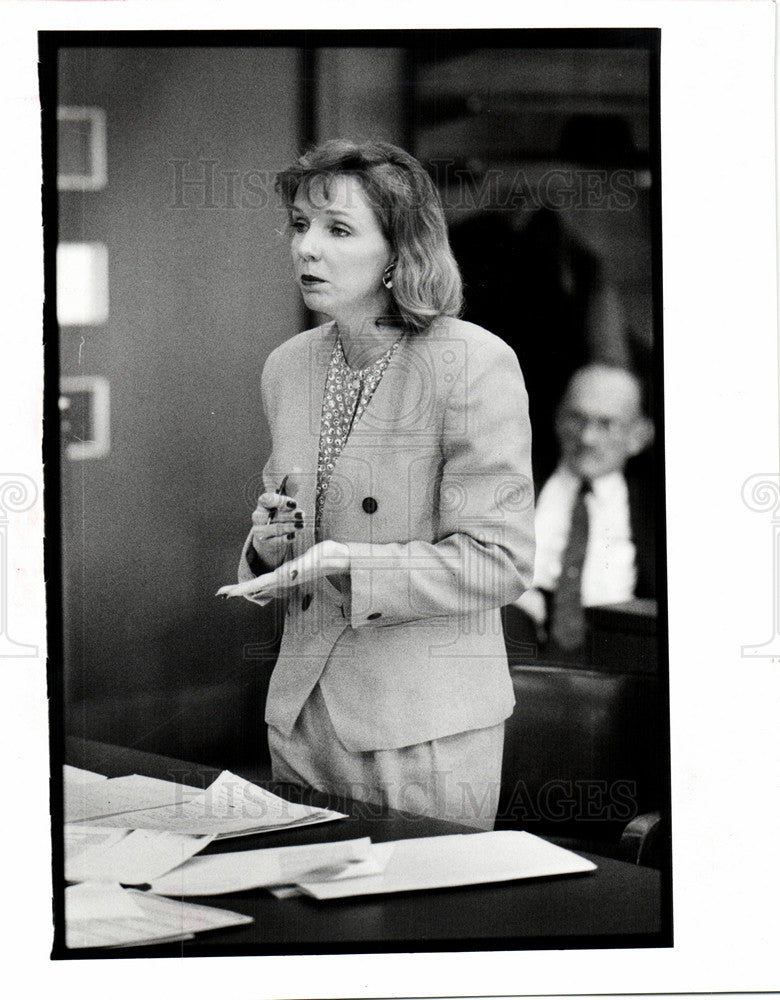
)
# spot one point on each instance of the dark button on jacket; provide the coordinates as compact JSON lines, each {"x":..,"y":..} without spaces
{"x":370,"y":505}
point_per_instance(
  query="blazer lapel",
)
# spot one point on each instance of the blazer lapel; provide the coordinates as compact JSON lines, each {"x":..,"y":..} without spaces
{"x":313,"y":377}
{"x":381,"y":415}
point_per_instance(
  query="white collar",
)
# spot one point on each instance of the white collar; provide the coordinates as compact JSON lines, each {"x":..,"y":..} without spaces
{"x":604,"y":487}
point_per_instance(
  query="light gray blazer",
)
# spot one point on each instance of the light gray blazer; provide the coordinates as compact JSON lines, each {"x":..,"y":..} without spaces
{"x":433,"y":495}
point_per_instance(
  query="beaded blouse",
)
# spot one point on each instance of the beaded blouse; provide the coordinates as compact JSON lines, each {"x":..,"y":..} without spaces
{"x":348,"y":392}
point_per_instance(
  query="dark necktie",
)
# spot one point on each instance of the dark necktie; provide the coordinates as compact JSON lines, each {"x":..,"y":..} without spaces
{"x":567,"y":619}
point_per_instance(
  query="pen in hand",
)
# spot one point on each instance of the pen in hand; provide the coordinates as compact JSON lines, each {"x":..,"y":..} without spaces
{"x":253,"y":558}
{"x":282,"y":492}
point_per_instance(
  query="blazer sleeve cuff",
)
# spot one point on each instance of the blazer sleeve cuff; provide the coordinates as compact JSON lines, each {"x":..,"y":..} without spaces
{"x":369,"y":604}
{"x":250,"y":566}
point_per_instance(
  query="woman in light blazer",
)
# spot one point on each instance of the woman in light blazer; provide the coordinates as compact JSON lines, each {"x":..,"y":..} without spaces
{"x":398,"y":512}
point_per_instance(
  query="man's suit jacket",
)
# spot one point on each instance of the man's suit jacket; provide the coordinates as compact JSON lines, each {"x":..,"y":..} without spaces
{"x":641,"y":507}
{"x":522,"y":631}
{"x":433,"y":495}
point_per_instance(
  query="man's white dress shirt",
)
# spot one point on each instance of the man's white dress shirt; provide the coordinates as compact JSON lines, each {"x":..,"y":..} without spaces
{"x":609,"y":571}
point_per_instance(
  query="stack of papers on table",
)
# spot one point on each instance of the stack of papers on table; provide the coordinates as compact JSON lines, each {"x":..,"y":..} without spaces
{"x":131,"y":831}
{"x":229,"y":807}
{"x":137,"y":831}
{"x":102,"y":915}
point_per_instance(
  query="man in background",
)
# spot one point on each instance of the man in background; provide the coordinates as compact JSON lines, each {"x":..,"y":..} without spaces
{"x":594,"y":516}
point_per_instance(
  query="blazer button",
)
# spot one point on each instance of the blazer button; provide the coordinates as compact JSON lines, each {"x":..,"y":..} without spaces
{"x":373,"y":615}
{"x":370,"y":505}
{"x":305,"y":602}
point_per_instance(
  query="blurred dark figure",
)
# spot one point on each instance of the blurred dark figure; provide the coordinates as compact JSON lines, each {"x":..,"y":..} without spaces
{"x":544,"y":292}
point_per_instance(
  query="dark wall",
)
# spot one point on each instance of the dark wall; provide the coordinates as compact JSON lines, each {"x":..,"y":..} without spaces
{"x":200,"y":292}
{"x":543,"y":160}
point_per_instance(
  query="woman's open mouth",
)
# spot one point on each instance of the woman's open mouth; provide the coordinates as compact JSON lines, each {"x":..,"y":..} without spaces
{"x":311,"y":281}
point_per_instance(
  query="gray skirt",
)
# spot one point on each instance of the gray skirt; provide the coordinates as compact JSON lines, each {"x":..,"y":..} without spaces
{"x":456,"y":778}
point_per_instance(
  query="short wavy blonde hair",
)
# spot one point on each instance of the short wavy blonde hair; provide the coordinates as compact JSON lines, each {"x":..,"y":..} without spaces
{"x":426,"y":280}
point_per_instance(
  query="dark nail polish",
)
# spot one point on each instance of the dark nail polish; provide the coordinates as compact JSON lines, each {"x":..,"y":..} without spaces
{"x":291,"y":536}
{"x":291,"y":504}
{"x":299,"y":524}
{"x":223,"y":596}
{"x":293,"y":574}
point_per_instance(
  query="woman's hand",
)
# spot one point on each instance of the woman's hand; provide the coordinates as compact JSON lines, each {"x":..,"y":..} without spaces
{"x":275,"y":522}
{"x":323,"y":559}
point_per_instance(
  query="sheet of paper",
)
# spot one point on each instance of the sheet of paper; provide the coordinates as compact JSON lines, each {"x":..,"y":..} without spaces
{"x":231,"y":806}
{"x":109,"y":916}
{"x":458,"y":859}
{"x":240,"y":870}
{"x":130,"y":793}
{"x":374,"y":864}
{"x":78,"y":776}
{"x":125,"y":936}
{"x":79,"y":840}
{"x":285,"y":891}
{"x":133,"y":858}
{"x":100,"y":901}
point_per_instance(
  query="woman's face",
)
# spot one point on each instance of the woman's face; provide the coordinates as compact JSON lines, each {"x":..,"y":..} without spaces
{"x":339,"y":251}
